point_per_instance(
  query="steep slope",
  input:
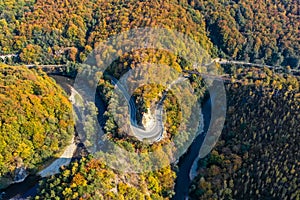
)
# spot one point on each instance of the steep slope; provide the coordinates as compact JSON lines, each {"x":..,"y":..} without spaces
{"x":92,"y":179}
{"x":69,"y":30}
{"x":257,"y":156}
{"x":36,"y":120}
{"x":263,"y":31}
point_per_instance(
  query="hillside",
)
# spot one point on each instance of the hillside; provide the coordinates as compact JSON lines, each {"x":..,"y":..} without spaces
{"x":256,"y":31}
{"x":36,"y":120}
{"x":257,"y":156}
{"x":92,"y":179}
{"x":263,"y":31}
{"x":50,"y":33}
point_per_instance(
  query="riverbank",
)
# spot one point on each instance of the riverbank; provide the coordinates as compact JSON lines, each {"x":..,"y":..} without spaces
{"x":186,"y":161}
{"x":29,"y":186}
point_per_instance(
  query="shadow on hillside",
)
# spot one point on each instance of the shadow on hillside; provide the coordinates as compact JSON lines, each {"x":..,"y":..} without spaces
{"x":30,"y":185}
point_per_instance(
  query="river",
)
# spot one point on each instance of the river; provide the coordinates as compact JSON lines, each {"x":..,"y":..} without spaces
{"x":186,"y":161}
{"x":30,"y":185}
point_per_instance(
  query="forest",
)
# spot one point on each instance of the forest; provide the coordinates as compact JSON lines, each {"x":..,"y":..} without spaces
{"x":260,"y":31}
{"x":257,"y":154}
{"x":36,"y":120}
{"x":90,"y":178}
{"x":256,"y":31}
{"x":61,"y":31}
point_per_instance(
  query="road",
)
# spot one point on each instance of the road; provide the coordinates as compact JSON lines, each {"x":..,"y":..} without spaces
{"x":66,"y":157}
{"x":155,"y":132}
{"x":224,"y":62}
{"x":63,"y":160}
{"x":221,"y":61}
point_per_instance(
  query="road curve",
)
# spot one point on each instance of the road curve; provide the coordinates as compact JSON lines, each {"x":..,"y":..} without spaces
{"x":155,"y":133}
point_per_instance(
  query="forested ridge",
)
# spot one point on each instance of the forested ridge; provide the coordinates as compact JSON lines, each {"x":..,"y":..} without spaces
{"x":257,"y":31}
{"x":57,"y":32}
{"x":257,"y":155}
{"x":54,"y":32}
{"x":36,"y":120}
{"x":91,"y":179}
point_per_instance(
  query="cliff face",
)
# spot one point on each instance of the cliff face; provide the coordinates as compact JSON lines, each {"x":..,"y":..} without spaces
{"x":148,"y":120}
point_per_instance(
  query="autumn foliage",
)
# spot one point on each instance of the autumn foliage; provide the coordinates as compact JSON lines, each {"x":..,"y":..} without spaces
{"x":36,"y":120}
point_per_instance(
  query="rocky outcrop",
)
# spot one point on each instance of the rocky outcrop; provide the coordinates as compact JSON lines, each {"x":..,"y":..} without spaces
{"x":20,"y":175}
{"x":148,"y":120}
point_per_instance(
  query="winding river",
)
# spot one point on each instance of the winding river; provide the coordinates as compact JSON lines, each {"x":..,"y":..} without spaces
{"x":29,"y":186}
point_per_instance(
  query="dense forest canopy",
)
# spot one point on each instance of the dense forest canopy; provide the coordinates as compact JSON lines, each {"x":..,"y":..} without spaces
{"x":92,"y":179}
{"x":258,"y":153}
{"x":263,"y":31}
{"x":54,"y":32}
{"x":36,"y":119}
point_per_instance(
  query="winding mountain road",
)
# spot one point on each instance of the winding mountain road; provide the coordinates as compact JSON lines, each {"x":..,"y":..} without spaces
{"x":155,"y":132}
